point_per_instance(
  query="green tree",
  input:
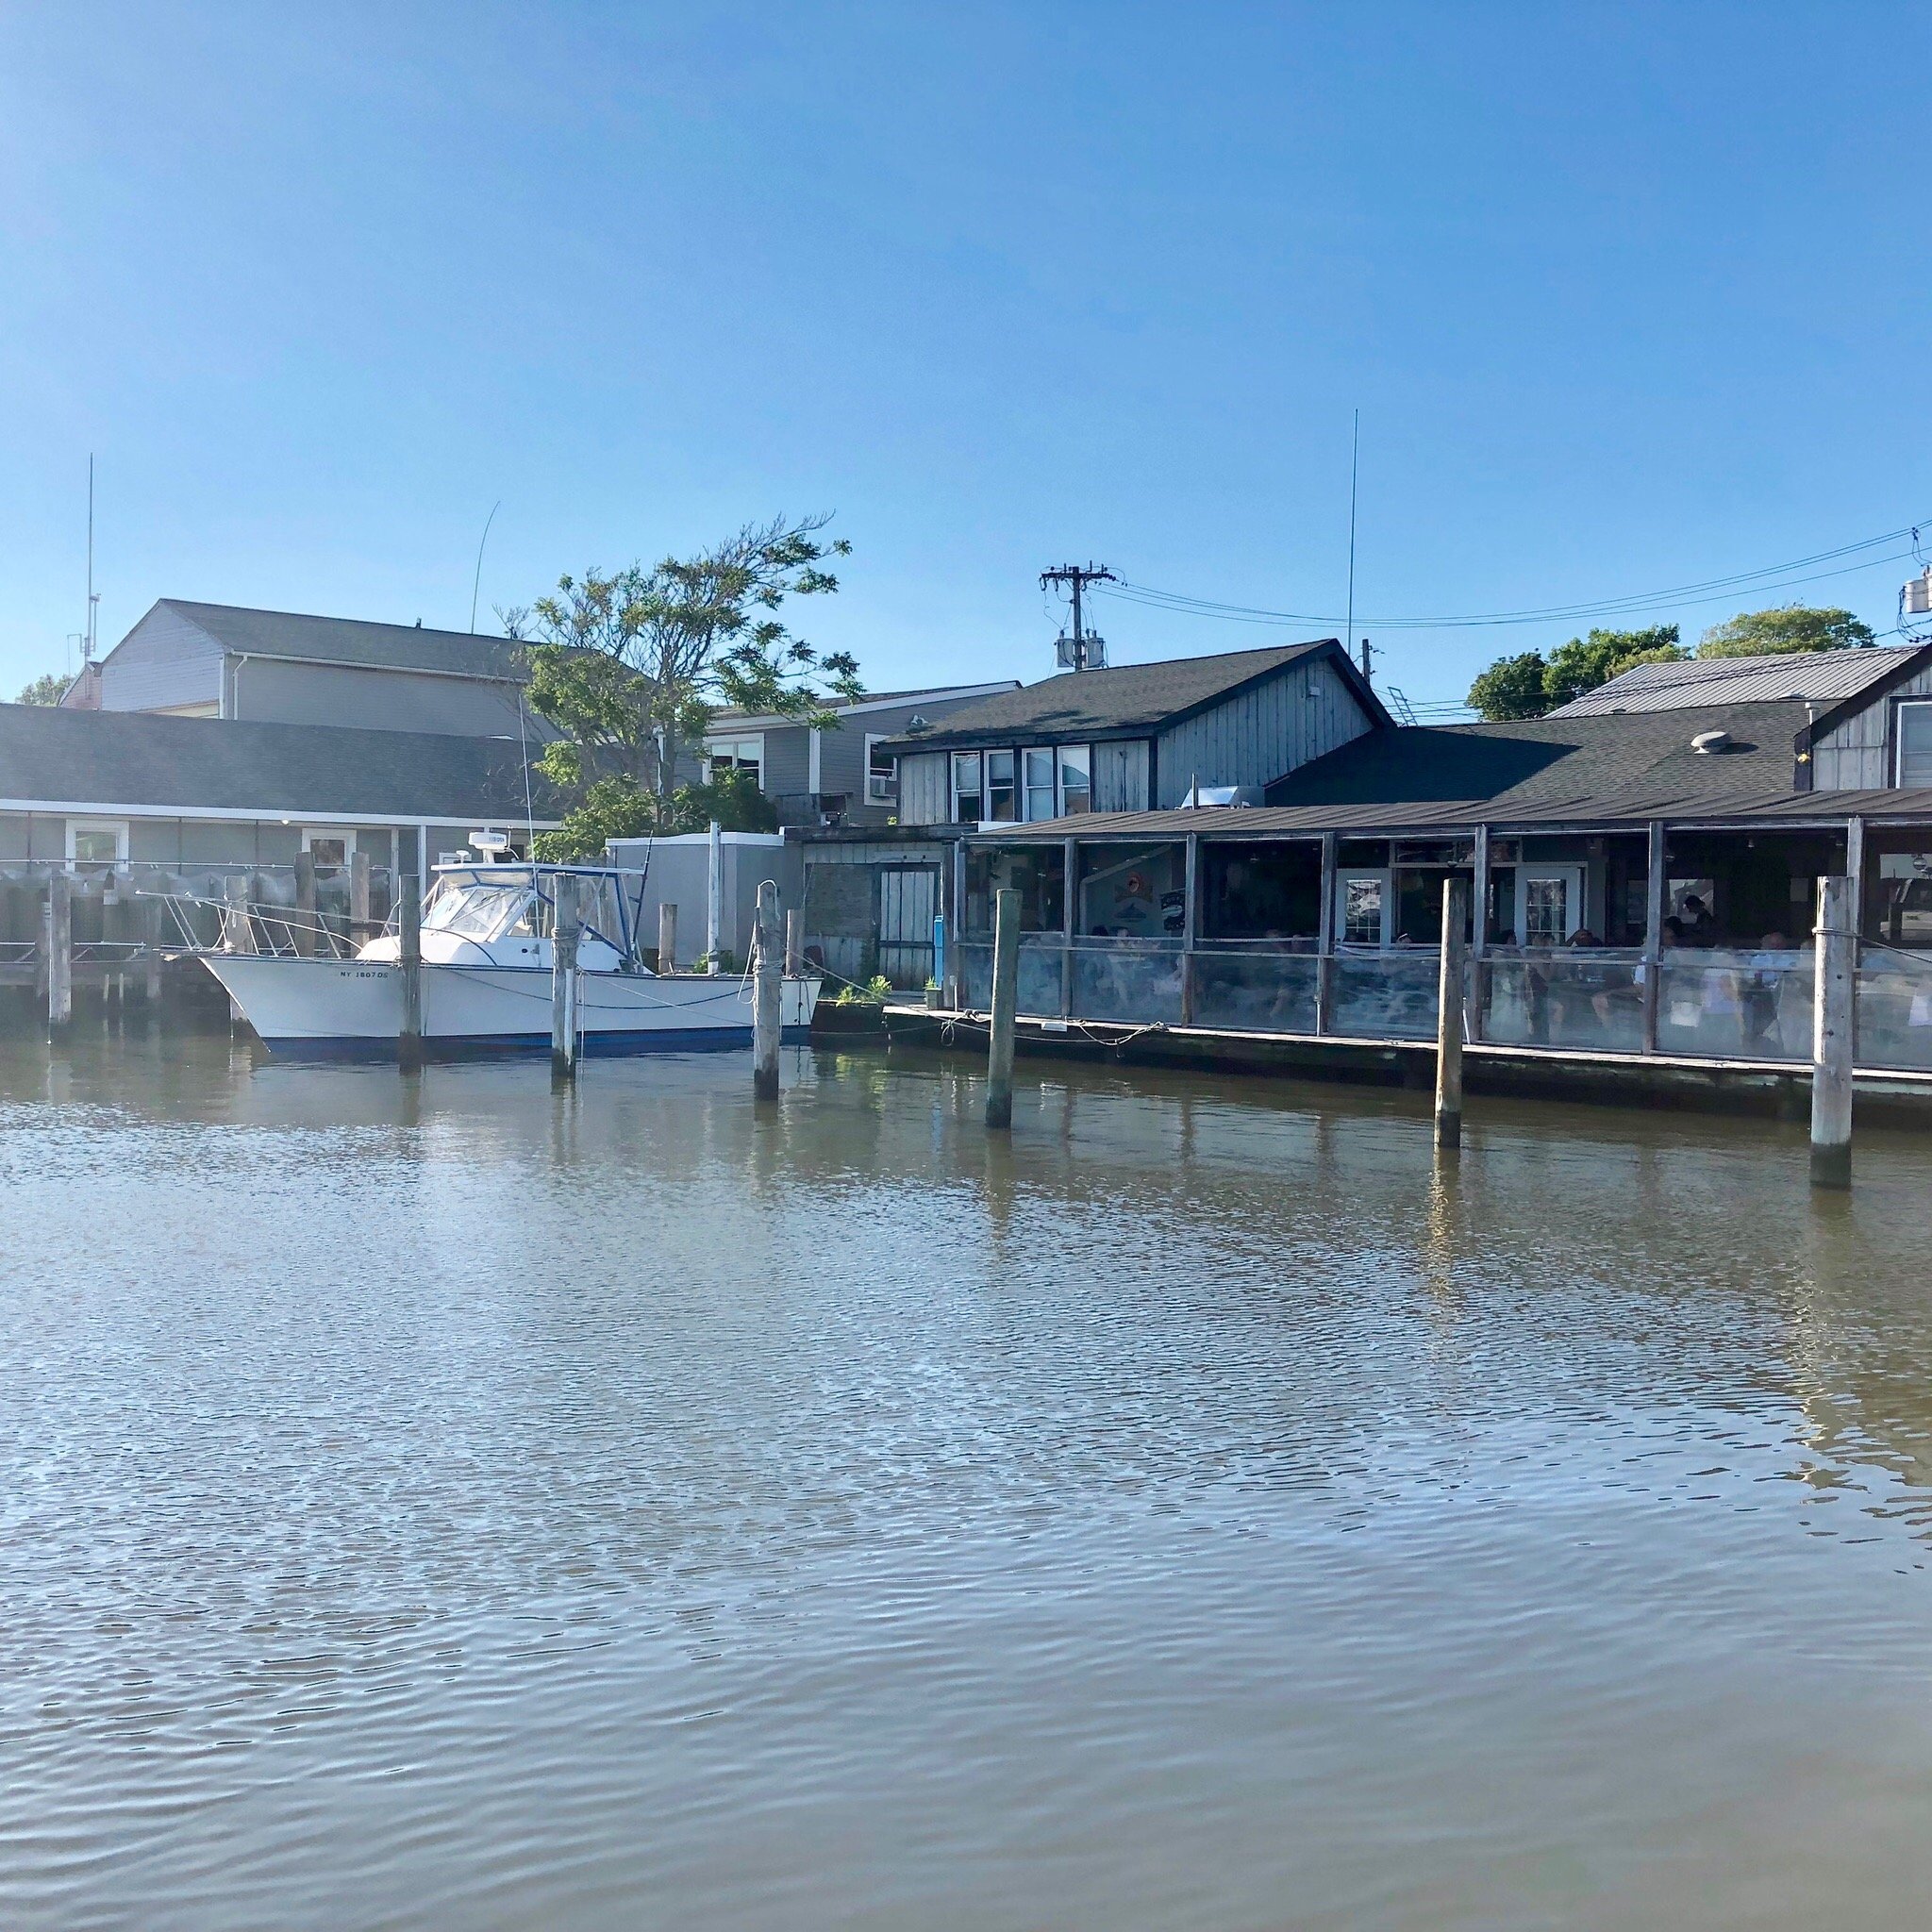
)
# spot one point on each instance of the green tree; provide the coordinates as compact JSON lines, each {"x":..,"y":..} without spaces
{"x":49,"y":689}
{"x":630,"y":666}
{"x":1511,"y":687}
{"x":1789,"y":628}
{"x":618,"y":808}
{"x":1530,"y":684}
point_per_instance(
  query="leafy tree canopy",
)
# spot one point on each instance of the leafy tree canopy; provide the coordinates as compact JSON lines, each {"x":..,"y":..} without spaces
{"x":1511,"y":687}
{"x":49,"y":689}
{"x":1790,"y":627}
{"x":1530,"y":684}
{"x":630,"y":666}
{"x":618,"y":808}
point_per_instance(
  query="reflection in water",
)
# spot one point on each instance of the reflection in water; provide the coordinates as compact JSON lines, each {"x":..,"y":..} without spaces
{"x":446,"y":1502}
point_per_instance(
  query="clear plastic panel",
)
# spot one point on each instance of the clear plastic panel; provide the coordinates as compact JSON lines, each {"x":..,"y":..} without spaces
{"x":1384,"y":995}
{"x":1590,"y":1002}
{"x":1134,"y":980}
{"x":1254,"y":991}
{"x":1040,"y":962}
{"x":1734,"y":1006}
{"x":1894,"y":1010}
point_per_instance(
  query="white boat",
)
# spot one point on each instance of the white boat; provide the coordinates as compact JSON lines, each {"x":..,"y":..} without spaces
{"x":487,"y":975}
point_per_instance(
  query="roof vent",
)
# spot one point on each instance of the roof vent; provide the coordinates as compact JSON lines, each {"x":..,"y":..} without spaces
{"x":1708,"y":741}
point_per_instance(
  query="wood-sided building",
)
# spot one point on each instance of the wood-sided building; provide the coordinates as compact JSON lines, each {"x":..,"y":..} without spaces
{"x":1644,"y":865}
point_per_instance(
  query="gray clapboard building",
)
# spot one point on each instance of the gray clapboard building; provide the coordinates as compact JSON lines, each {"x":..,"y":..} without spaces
{"x":1080,"y":745}
{"x":838,"y":774}
{"x":1136,"y":738}
{"x":221,"y":660}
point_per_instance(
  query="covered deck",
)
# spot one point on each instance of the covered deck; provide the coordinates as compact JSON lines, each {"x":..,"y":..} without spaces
{"x":1660,"y":940}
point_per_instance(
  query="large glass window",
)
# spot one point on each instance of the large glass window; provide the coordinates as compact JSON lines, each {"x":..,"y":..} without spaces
{"x":735,"y":755}
{"x":968,"y":802}
{"x":1905,"y":897}
{"x":1077,"y":778}
{"x":1039,"y":791}
{"x":1002,"y":794}
{"x":1915,"y":744}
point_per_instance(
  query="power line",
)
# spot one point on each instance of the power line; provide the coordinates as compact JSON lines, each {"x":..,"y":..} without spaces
{"x":1710,"y":591}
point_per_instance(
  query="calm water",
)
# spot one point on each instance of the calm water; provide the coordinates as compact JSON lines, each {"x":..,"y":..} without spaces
{"x":450,"y":1506}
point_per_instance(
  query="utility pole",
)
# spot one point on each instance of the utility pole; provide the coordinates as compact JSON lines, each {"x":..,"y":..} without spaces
{"x":1078,"y":579}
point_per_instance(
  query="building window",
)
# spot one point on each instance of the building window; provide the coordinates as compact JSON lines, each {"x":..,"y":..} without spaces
{"x":881,"y":771}
{"x":1002,"y":794}
{"x":1076,"y":779}
{"x":968,"y":800}
{"x":1363,"y":903}
{"x":1039,"y":793}
{"x":1905,"y":897}
{"x":330,"y":851}
{"x":723,"y":755}
{"x":97,"y":842}
{"x":1915,"y":744}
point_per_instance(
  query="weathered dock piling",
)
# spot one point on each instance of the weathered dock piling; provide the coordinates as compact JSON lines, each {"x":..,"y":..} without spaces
{"x":564,"y":981}
{"x":304,"y":934}
{"x":1832,"y":1035}
{"x":667,"y":936}
{"x":1006,"y":999}
{"x":767,"y":994}
{"x":59,"y":944}
{"x":795,"y":944}
{"x":1449,"y":1015}
{"x":714,"y":899}
{"x":361,"y":924}
{"x":409,"y":960}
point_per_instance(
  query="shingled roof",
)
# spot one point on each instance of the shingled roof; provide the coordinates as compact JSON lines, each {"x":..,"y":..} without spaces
{"x":351,"y":640}
{"x":1118,"y":702}
{"x":1623,"y":768}
{"x":136,"y":761}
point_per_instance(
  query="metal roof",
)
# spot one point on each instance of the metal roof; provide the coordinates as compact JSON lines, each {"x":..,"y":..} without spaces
{"x":1126,"y":698}
{"x":1826,"y":677}
{"x":144,"y":762}
{"x":351,"y":640}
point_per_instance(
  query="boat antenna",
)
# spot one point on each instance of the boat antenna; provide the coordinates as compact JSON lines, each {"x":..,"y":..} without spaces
{"x":476,"y":583}
{"x":529,"y":805}
{"x":87,"y":642}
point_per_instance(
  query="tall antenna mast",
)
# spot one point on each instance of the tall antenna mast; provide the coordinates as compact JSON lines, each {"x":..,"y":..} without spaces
{"x":1082,"y":651}
{"x":87,"y":643}
{"x":477,"y":582}
{"x":1355,"y":451}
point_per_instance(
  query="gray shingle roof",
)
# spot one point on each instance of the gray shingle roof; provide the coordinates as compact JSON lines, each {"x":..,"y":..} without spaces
{"x":1630,"y":767}
{"x":1823,"y":677}
{"x":351,"y":640}
{"x":50,"y":757}
{"x":1101,"y":703}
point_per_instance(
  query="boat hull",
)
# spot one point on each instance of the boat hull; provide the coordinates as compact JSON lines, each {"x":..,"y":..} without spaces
{"x":352,"y":1008}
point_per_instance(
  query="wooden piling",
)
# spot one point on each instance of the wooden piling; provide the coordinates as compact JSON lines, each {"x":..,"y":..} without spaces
{"x":409,"y":963}
{"x":714,"y":899}
{"x":563,"y":981}
{"x":362,"y":924}
{"x":768,"y":993}
{"x":1006,"y":992}
{"x":1449,"y":1014}
{"x":795,"y":944}
{"x":1832,"y":1033}
{"x":151,"y":953}
{"x":304,"y":922}
{"x":60,"y":951}
{"x":667,"y":936}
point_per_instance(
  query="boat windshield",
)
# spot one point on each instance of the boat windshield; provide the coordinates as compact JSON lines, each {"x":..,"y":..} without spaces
{"x":476,"y":912}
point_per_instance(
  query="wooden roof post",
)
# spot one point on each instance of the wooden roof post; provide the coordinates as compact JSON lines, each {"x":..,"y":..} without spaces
{"x":1653,"y":933}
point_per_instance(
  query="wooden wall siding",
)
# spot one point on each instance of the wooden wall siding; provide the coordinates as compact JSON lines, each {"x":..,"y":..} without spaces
{"x":787,"y":771}
{"x":1261,"y":734}
{"x":270,"y":690}
{"x":1120,"y":775}
{"x":1857,"y":755}
{"x":163,"y":661}
{"x":924,"y":795}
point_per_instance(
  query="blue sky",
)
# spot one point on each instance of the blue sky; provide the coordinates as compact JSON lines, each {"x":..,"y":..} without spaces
{"x":1629,"y":297}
